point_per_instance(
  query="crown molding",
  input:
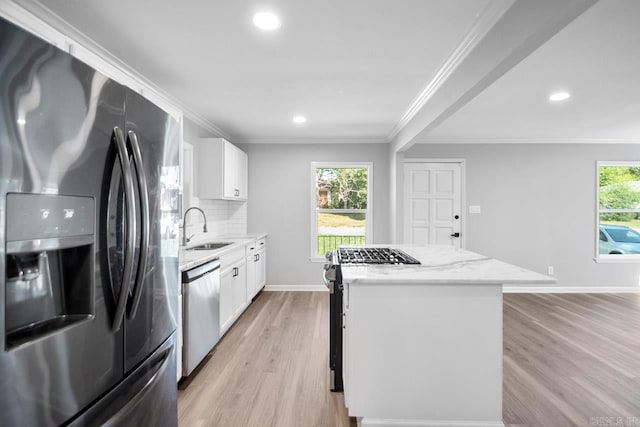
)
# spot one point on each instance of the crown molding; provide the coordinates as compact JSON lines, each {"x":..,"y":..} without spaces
{"x":42,"y":21}
{"x":205,"y":123}
{"x":305,"y":140}
{"x":481,"y":26}
{"x":519,"y":31}
{"x":501,"y":140}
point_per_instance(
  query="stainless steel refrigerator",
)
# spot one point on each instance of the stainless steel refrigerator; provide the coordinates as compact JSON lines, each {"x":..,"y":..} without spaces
{"x":88,"y":256}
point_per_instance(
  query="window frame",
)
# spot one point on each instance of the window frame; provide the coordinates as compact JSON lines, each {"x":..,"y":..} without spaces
{"x":368,"y":232}
{"x":607,"y":258}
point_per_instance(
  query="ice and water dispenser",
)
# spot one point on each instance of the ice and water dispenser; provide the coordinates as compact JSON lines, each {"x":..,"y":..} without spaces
{"x":49,"y":264}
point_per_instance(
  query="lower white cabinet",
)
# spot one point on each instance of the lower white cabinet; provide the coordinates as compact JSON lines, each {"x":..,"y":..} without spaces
{"x":179,"y":339}
{"x":261,"y":270}
{"x":256,"y":267}
{"x":233,"y":288}
{"x":226,"y":304}
{"x":251,"y":275}
{"x":239,"y":288}
{"x":242,"y":276}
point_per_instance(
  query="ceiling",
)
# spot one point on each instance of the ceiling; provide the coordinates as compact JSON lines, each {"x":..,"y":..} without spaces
{"x":596,"y":58}
{"x":366,"y":70}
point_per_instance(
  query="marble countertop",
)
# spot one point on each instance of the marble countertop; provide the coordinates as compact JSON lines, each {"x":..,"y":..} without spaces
{"x":189,"y":259}
{"x":443,"y":264}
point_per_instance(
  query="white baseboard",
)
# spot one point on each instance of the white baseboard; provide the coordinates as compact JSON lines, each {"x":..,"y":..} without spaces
{"x":296,"y":288}
{"x":569,"y":289}
{"x":374,"y":422}
{"x":505,"y":289}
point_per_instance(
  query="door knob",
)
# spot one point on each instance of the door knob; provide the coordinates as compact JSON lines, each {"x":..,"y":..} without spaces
{"x":455,"y":235}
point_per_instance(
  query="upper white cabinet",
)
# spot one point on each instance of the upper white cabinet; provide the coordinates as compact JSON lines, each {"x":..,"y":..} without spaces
{"x":222,"y":170}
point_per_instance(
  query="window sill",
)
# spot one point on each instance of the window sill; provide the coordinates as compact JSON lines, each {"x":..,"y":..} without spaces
{"x":618,"y":259}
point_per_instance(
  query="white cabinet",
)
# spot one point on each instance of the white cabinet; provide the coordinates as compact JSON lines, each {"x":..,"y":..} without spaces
{"x":226,"y":304}
{"x":251,"y":273}
{"x":450,"y":369}
{"x":233,"y":288}
{"x":261,"y":269}
{"x":239,"y":288}
{"x":235,"y":172}
{"x":256,"y":267}
{"x":345,"y":345}
{"x":221,"y":170}
{"x":179,"y":339}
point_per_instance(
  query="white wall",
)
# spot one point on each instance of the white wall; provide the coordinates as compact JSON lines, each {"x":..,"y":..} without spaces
{"x":224,"y":218}
{"x":280,"y":200}
{"x":538,"y":206}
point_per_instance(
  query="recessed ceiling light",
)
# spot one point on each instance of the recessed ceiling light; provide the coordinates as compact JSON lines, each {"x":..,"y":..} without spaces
{"x":266,"y":21}
{"x":559,"y":96}
{"x":299,"y":119}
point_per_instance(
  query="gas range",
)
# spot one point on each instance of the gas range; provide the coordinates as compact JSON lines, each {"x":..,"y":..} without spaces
{"x":332,"y":275}
{"x":364,"y":255}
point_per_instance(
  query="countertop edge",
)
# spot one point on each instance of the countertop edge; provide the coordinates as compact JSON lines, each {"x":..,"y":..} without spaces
{"x":443,"y":265}
{"x":238,"y":241}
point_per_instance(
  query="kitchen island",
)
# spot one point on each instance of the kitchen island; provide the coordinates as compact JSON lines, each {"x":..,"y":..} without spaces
{"x":423,"y":343}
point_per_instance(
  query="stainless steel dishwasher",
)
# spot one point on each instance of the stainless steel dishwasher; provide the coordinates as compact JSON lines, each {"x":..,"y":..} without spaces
{"x":201,"y":299}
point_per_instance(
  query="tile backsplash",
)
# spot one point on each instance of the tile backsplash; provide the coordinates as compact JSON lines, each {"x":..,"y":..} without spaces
{"x":223,"y":218}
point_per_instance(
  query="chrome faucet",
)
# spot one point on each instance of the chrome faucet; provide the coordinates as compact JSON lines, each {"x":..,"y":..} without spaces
{"x":186,"y":239}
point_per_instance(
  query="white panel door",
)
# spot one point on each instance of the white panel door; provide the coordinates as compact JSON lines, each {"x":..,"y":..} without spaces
{"x":432,"y":201}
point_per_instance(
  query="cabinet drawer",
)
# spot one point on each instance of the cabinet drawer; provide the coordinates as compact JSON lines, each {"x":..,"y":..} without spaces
{"x":261,"y":243}
{"x":256,"y":245}
{"x":230,"y":259}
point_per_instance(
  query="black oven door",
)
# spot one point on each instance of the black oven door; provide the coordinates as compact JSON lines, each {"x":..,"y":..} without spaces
{"x":333,"y":280}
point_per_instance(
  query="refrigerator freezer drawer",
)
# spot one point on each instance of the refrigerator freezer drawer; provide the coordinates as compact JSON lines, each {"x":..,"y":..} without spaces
{"x":147,"y":397}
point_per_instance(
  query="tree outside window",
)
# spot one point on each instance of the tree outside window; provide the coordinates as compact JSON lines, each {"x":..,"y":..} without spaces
{"x":341,"y":213}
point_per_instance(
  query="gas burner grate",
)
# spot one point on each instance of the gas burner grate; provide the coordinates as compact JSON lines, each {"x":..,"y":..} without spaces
{"x":374,"y":256}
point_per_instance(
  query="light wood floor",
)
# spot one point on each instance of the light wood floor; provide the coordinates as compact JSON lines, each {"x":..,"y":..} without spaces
{"x":572,"y":359}
{"x":270,"y":369}
{"x":567,"y":358}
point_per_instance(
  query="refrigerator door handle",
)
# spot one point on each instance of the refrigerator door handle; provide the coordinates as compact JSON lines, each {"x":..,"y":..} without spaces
{"x":143,"y":191}
{"x":127,"y":176}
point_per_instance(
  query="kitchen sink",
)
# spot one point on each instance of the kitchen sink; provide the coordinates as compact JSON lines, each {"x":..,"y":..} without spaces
{"x":208,"y":246}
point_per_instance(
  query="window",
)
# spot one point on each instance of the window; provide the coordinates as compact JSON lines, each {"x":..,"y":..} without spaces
{"x":618,"y":211}
{"x":341,"y":206}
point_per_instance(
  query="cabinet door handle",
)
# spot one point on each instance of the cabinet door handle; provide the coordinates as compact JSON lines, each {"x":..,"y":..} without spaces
{"x":235,"y":271}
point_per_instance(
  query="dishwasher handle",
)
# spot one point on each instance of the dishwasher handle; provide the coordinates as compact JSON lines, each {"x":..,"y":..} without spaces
{"x":200,"y":271}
